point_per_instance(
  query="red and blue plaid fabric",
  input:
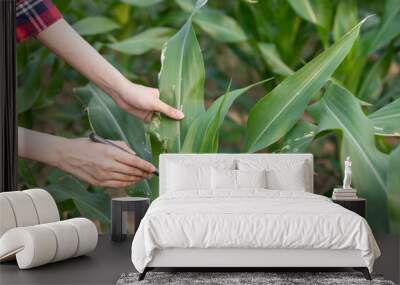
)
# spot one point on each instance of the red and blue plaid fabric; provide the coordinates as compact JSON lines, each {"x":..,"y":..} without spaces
{"x":33,"y":16}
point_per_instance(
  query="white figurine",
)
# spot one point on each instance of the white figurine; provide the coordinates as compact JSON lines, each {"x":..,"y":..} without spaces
{"x":347,"y":174}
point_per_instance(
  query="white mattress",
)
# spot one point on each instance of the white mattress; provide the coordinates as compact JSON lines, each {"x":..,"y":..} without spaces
{"x":252,"y":218}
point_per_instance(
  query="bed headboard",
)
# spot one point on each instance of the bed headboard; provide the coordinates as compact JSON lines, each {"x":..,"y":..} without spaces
{"x":214,"y":159}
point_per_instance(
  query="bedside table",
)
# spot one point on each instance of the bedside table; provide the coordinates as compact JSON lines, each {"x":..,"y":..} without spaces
{"x":358,"y":205}
{"x":121,"y":208}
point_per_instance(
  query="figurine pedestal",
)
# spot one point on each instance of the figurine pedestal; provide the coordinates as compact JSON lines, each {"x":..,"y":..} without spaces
{"x":344,"y":190}
{"x":344,"y":194}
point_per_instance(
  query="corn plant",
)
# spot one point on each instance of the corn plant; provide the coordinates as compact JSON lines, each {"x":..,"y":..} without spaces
{"x":335,"y":86}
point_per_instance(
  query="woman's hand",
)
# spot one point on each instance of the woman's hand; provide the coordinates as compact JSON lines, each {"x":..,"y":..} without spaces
{"x":142,"y":101}
{"x":95,"y":163}
{"x":103,"y":165}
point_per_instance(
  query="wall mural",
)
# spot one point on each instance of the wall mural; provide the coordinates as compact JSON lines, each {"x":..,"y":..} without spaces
{"x":267,"y":76}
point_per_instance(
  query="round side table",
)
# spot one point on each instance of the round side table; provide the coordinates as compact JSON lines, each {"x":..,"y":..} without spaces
{"x":123,"y":207}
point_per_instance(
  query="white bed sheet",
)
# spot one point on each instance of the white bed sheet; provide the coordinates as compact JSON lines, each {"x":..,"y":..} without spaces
{"x":251,"y":218}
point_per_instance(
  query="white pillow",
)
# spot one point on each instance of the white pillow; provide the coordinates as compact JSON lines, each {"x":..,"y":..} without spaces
{"x":293,"y":179}
{"x":251,"y":178}
{"x":223,"y":179}
{"x":187,"y":177}
{"x":281,"y":174}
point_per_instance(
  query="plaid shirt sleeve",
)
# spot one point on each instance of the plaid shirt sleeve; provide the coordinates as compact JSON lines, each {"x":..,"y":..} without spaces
{"x":34,"y":16}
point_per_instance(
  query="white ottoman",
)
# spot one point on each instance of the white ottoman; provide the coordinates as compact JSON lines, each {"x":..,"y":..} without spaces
{"x":31,"y":232}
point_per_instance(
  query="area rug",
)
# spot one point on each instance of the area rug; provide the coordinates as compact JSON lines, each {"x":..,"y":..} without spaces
{"x":243,"y":278}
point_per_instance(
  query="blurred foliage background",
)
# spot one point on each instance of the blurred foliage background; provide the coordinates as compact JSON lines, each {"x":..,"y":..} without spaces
{"x":243,"y":42}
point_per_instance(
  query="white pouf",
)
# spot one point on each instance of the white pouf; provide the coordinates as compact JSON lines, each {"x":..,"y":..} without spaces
{"x":45,"y":205}
{"x":67,"y":239}
{"x":7,"y":220}
{"x":23,"y":208}
{"x":31,"y":232}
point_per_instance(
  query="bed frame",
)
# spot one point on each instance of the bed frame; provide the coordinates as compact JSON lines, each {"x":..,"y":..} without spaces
{"x":260,"y":259}
{"x":246,"y":259}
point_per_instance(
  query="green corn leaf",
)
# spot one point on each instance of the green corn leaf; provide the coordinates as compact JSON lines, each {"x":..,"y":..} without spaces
{"x":388,"y":28}
{"x":203,"y":134}
{"x":273,"y":59}
{"x":352,"y":68}
{"x":190,"y":144}
{"x":215,"y":23}
{"x":49,"y":93}
{"x":318,"y":12}
{"x":210,"y":139}
{"x":276,"y":113}
{"x":350,"y":71}
{"x":390,"y":93}
{"x":342,"y":111}
{"x":186,"y":5}
{"x":346,"y":17}
{"x":111,"y":122}
{"x":299,"y":138}
{"x":387,"y":119}
{"x":181,"y":82}
{"x":153,"y":38}
{"x":219,"y":26}
{"x":372,"y":85}
{"x":304,"y":9}
{"x":95,"y":25}
{"x":393,"y":182}
{"x":142,"y":3}
{"x":26,"y":172}
{"x":29,"y":92}
{"x":95,"y":206}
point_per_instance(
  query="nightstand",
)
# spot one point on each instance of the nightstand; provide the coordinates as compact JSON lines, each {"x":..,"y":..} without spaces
{"x":123,"y":209}
{"x":358,"y":205}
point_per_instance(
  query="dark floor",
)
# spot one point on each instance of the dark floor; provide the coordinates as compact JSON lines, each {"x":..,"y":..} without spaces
{"x":102,"y":266}
{"x":110,"y":260}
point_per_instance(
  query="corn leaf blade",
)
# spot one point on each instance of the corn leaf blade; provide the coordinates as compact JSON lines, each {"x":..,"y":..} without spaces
{"x":276,"y":113}
{"x":387,"y":30}
{"x":393,"y":182}
{"x":299,"y":138}
{"x":95,"y":206}
{"x":141,"y":3}
{"x":372,"y":84}
{"x":220,"y":26}
{"x":387,"y":119}
{"x":318,"y":12}
{"x":215,"y":23}
{"x":342,"y":111}
{"x":273,"y":59}
{"x":181,"y":82}
{"x":203,"y":133}
{"x":150,"y":39}
{"x":95,"y":25}
{"x":111,"y":122}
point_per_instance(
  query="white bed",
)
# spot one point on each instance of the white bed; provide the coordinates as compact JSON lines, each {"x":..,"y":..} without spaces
{"x":199,"y":224}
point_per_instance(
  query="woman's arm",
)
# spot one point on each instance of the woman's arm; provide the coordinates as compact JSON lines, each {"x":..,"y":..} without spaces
{"x":136,"y":99}
{"x":97,"y":164}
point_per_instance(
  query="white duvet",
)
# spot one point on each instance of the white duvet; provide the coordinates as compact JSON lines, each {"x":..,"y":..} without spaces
{"x":250,"y":219}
